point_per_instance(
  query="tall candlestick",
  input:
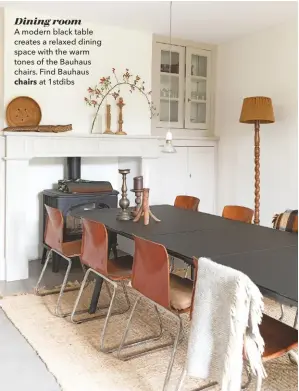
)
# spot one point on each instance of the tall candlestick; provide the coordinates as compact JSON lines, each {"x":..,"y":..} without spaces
{"x":108,"y":120}
{"x":120,"y":104}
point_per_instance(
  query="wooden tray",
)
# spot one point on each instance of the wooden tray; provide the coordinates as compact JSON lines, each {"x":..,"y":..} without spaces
{"x":23,"y":111}
{"x":40,"y":128}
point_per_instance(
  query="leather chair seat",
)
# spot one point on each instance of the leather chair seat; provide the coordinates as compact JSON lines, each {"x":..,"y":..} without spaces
{"x":120,"y":268}
{"x":279,"y":337}
{"x":71,"y":249}
{"x":180,"y":292}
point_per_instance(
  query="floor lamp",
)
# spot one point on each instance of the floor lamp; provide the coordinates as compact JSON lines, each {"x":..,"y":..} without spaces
{"x":257,"y":110}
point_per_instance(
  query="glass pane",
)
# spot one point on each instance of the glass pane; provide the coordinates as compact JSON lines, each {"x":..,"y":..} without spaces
{"x":198,"y":113}
{"x":164,"y":111}
{"x":170,"y":62}
{"x":169,"y":86}
{"x":198,"y":89}
{"x":198,"y":65}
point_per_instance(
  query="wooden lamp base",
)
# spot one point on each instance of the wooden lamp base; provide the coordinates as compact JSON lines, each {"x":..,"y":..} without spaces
{"x":145,"y":209}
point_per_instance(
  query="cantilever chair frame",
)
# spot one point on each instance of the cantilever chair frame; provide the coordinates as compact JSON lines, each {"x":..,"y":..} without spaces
{"x":108,"y":281}
{"x":63,"y":288}
{"x":57,"y":311}
{"x":109,"y":312}
{"x":174,"y":342}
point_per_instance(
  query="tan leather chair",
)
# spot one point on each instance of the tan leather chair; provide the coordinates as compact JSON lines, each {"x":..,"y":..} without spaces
{"x":239,"y":213}
{"x":67,"y":250}
{"x":186,"y":202}
{"x":94,"y":256}
{"x":151,"y":279}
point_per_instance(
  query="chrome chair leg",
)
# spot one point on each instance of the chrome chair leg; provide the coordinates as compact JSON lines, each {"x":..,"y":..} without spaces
{"x":293,"y":356}
{"x":296,"y":320}
{"x":152,"y":338}
{"x":58,"y":309}
{"x":181,"y":381}
{"x":183,"y":377}
{"x":170,"y":365}
{"x":107,"y":282}
{"x":107,"y":319}
{"x":282,"y":312}
{"x":36,"y":289}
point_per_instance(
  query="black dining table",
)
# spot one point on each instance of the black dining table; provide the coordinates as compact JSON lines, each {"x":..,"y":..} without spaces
{"x":267,"y":256}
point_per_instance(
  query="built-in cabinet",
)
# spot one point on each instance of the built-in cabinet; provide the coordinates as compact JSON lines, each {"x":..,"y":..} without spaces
{"x":190,"y":171}
{"x":182,"y":82}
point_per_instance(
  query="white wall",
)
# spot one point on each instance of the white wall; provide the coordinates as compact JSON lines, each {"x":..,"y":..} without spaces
{"x":261,"y":64}
{"x":1,"y":68}
{"x":121,"y":49}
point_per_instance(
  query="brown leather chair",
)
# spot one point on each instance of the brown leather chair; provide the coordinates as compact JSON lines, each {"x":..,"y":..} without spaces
{"x":94,"y":256}
{"x":186,"y":202}
{"x":151,"y":279}
{"x":67,"y":250}
{"x":239,"y":213}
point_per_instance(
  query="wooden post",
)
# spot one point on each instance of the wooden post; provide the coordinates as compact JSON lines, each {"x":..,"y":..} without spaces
{"x":120,"y":104}
{"x":108,"y":120}
{"x":257,"y":172}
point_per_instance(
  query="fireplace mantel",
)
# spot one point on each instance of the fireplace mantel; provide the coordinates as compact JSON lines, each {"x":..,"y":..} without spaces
{"x":21,"y":146}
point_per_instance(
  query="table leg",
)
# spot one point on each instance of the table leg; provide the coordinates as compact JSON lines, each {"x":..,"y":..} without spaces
{"x":112,"y":245}
{"x":95,"y":295}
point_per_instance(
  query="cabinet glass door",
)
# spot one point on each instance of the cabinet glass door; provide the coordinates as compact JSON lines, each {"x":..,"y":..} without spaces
{"x":171,"y":85}
{"x":197,"y":88}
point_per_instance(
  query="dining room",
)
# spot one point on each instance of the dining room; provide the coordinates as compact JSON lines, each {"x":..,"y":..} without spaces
{"x":149,"y":194}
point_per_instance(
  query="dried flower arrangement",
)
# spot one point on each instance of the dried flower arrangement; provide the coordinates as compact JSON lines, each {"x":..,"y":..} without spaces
{"x":106,"y":87}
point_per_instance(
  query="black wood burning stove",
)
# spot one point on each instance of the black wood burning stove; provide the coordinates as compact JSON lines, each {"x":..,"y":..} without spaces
{"x":74,"y":193}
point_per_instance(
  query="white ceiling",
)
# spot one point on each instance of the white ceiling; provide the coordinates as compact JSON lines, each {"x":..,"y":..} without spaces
{"x":206,"y":21}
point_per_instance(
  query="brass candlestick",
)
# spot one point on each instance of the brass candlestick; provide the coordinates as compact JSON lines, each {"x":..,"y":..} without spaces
{"x":145,"y":209}
{"x":120,"y":104}
{"x":124,"y":202}
{"x":108,"y":120}
{"x":138,"y":193}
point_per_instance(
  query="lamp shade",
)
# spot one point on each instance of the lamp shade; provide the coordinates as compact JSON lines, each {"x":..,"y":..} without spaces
{"x":257,"y":108}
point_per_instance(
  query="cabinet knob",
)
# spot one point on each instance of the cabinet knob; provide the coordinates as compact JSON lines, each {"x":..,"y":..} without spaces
{"x":189,"y":100}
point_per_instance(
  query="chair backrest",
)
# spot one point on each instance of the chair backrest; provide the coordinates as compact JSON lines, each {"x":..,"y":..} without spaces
{"x":94,"y":252}
{"x":53,"y":236}
{"x":287,"y":221}
{"x":239,"y":213}
{"x":186,"y":202}
{"x":150,"y":272}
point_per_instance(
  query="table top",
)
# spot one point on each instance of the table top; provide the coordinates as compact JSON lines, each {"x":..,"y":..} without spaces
{"x":269,"y":257}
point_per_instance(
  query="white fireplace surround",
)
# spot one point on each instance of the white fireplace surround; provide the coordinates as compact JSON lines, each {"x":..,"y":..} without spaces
{"x":16,"y":150}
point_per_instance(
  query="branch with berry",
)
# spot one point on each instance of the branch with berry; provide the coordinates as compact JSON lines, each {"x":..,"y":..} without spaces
{"x":107,"y":87}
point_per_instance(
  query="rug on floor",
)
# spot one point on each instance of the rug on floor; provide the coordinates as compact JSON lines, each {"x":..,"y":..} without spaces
{"x":71,"y":351}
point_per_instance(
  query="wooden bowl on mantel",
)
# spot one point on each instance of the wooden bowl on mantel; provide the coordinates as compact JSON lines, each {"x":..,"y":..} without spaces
{"x":23,"y":111}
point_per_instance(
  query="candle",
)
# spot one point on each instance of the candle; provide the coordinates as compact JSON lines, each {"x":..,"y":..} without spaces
{"x":169,"y":136}
{"x":108,"y":117}
{"x":138,"y":183}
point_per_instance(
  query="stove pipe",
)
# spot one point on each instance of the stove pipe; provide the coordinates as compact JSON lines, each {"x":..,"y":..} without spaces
{"x":73,"y":168}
